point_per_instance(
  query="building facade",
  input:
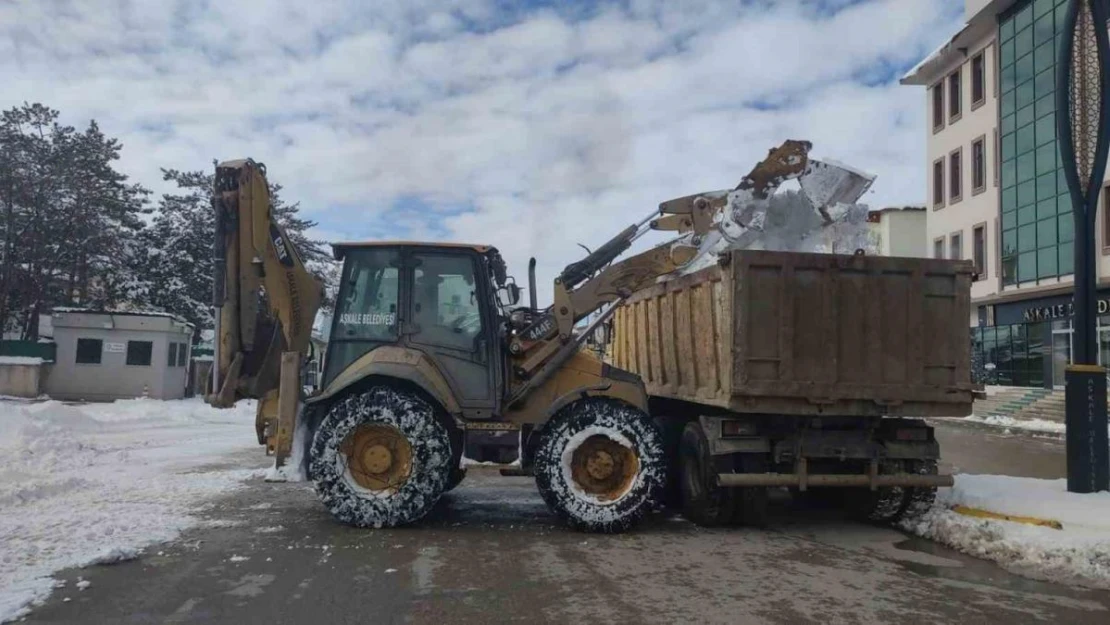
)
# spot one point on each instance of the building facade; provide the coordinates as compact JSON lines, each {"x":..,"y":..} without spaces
{"x":996,"y":188}
{"x":118,"y":355}
{"x":900,"y":231}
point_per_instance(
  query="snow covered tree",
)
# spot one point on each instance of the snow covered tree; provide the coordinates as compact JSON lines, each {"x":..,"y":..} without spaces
{"x":67,"y":217}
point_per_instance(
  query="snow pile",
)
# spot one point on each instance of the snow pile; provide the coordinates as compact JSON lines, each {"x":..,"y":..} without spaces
{"x":1031,"y":425}
{"x":1077,"y":554}
{"x":95,"y":483}
{"x":786,"y":222}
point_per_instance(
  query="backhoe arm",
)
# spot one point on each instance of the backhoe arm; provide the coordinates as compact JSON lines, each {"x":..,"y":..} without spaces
{"x":254,"y":262}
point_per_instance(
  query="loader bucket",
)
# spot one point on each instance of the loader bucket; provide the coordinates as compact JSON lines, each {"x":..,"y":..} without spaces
{"x":828,"y":183}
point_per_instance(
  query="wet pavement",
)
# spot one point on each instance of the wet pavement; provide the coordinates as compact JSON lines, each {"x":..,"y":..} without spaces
{"x":968,"y":447}
{"x":491,"y":553}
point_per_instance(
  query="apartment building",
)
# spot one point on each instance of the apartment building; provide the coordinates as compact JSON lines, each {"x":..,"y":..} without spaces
{"x":996,"y":189}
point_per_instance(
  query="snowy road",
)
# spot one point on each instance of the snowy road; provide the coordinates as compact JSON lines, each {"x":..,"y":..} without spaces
{"x":269,"y":553}
{"x":492,"y":553}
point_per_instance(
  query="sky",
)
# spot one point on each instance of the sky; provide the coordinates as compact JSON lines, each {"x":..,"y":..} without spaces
{"x":533,"y":126}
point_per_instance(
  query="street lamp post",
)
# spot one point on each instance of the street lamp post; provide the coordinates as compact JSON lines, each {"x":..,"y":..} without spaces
{"x":1082,"y":102}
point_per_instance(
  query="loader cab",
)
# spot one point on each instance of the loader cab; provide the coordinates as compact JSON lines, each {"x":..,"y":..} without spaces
{"x":436,"y":299}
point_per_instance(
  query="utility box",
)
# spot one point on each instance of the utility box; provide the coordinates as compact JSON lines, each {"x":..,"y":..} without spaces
{"x":786,"y":333}
{"x":107,"y":355}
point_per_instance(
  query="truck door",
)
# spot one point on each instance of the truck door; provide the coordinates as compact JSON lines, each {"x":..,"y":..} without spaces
{"x":451,"y":322}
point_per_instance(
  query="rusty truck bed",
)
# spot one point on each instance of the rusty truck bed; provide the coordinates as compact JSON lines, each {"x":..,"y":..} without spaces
{"x":801,"y":334}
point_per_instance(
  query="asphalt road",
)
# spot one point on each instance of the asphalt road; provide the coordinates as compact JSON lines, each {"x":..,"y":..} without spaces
{"x":491,"y":553}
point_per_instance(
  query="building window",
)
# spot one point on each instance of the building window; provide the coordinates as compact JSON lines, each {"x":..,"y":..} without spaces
{"x":956,"y":246}
{"x":938,"y":248}
{"x":89,"y":351}
{"x":954,"y":100}
{"x":171,"y":360}
{"x":1037,"y":238}
{"x":955,"y":175}
{"x":979,"y":165}
{"x":938,"y":183}
{"x":978,"y":79}
{"x":138,"y":353}
{"x":182,"y":354}
{"x":979,"y":250}
{"x":938,"y":106}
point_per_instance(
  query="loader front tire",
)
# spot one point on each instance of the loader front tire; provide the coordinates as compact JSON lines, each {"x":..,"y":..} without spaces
{"x":600,"y":465}
{"x":380,"y":458}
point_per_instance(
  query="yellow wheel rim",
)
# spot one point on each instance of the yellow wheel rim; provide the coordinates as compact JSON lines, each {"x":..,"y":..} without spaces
{"x":604,"y":468}
{"x":378,"y":457}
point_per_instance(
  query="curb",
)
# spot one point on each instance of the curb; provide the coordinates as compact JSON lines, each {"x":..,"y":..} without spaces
{"x":987,"y":514}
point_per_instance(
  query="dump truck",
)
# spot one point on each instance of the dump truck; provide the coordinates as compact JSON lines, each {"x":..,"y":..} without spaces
{"x":433,"y":363}
{"x":806,"y":371}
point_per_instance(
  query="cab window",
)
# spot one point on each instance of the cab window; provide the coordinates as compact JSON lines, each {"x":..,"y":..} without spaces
{"x":446,"y":301}
{"x":367,"y":306}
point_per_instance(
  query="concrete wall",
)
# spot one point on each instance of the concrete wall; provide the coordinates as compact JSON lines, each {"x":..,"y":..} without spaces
{"x":113,"y":378}
{"x":973,"y":207}
{"x":20,"y":380}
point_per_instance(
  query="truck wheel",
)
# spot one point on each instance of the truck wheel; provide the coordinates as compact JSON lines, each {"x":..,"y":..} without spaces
{"x":703,"y":501}
{"x":919,"y":499}
{"x":883,"y":505}
{"x":671,"y":428}
{"x":751,"y":502}
{"x":599,"y":465}
{"x":380,"y":458}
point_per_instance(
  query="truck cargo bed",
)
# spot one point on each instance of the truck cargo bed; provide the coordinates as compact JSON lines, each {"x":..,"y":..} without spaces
{"x":801,"y":334}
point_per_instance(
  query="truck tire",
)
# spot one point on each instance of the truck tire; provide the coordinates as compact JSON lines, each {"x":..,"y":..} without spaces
{"x":671,"y":428}
{"x":380,"y":458}
{"x":883,"y":505}
{"x":750,"y":507}
{"x":703,"y":501}
{"x":599,"y":465}
{"x":919,"y":499}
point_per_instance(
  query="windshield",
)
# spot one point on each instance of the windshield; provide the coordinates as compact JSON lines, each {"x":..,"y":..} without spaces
{"x":367,"y":304}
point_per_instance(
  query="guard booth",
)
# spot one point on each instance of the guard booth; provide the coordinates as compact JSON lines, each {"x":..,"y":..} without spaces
{"x":107,"y":355}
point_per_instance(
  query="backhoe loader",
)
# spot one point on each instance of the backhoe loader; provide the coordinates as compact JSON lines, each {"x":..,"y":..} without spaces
{"x":433,"y":364}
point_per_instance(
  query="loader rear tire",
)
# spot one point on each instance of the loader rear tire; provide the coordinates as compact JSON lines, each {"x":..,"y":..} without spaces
{"x":600,"y":465}
{"x":457,"y":476}
{"x":380,"y":458}
{"x":703,"y":501}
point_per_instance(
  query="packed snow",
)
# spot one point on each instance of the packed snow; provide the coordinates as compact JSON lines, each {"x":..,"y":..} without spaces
{"x":1077,"y":554}
{"x":96,"y":483}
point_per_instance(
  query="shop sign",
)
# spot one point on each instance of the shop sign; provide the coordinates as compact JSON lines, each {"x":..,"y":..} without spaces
{"x":115,"y":348}
{"x":1059,"y":311}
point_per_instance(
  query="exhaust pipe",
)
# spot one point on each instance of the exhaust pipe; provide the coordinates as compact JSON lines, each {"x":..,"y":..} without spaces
{"x":532,"y":297}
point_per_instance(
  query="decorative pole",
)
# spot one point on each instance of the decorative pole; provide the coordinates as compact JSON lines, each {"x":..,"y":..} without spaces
{"x":1082,"y":100}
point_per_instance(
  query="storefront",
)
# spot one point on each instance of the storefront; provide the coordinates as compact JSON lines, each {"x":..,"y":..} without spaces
{"x":1030,"y":342}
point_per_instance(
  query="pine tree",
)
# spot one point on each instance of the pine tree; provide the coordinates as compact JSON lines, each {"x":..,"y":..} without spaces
{"x":68,"y":216}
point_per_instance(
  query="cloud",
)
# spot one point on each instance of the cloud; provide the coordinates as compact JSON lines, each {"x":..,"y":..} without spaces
{"x":532,"y":127}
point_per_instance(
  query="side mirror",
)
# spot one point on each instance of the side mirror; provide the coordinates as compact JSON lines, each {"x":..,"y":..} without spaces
{"x":508,"y":295}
